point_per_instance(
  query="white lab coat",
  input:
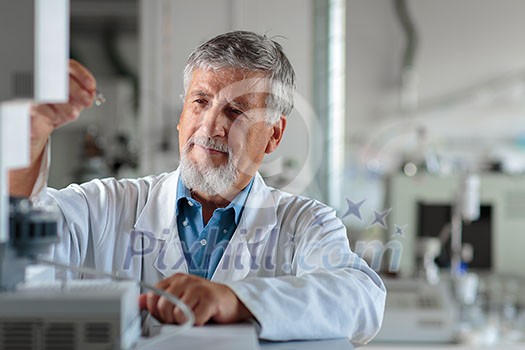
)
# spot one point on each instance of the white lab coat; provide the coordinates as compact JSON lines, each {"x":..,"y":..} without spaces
{"x":289,"y":260}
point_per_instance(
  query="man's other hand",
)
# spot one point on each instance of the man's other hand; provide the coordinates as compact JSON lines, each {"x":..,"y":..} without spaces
{"x":207,"y":300}
{"x":47,"y":117}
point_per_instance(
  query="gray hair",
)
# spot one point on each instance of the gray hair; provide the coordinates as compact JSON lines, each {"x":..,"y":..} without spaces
{"x":250,"y":51}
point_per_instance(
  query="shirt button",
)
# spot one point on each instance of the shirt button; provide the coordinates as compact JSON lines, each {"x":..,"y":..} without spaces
{"x":190,"y":203}
{"x":225,"y":231}
{"x":203,"y":241}
{"x":185,"y":223}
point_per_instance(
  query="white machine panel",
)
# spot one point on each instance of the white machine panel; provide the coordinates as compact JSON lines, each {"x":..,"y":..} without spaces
{"x":77,"y":315}
{"x":52,"y":50}
{"x":417,"y":312}
{"x":14,"y":134}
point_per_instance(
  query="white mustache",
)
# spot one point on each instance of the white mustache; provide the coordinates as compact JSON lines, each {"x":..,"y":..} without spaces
{"x":209,"y":143}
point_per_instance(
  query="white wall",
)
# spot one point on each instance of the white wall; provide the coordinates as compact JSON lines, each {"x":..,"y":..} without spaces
{"x":372,"y":49}
{"x":466,"y":41}
{"x":462,"y":43}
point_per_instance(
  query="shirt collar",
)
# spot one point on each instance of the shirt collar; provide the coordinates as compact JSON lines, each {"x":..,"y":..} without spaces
{"x":184,"y":198}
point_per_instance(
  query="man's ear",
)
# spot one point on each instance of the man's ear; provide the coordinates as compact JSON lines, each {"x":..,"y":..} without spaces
{"x":277,"y":135}
{"x":178,"y":123}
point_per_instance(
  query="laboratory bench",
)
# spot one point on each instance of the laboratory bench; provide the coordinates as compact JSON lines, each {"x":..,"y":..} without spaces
{"x":244,"y":337}
{"x":229,"y":337}
{"x":440,"y":347}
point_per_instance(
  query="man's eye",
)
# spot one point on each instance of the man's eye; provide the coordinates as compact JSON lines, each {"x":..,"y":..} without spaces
{"x":235,"y":111}
{"x":200,"y":101}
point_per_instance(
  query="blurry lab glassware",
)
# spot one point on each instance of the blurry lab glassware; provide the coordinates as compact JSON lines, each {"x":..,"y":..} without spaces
{"x":511,"y":331}
{"x":467,"y":288}
{"x":423,"y":156}
{"x":99,"y":98}
{"x":429,"y":249}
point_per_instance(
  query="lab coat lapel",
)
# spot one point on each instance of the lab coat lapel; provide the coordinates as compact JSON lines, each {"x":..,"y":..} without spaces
{"x":158,"y":220}
{"x":249,"y":239}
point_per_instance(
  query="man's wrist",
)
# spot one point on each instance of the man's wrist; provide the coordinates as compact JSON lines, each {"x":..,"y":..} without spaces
{"x":22,"y":181}
{"x":243,"y":312}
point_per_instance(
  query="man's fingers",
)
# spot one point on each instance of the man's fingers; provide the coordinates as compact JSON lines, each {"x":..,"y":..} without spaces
{"x":175,"y":279}
{"x":44,"y":118}
{"x":80,"y":95}
{"x":46,"y":111}
{"x":165,"y":308}
{"x":151,"y":303}
{"x":203,"y":311}
{"x":143,"y":301}
{"x":193,"y":291}
{"x":47,"y":117}
{"x":190,"y":300}
{"x":82,"y":76}
{"x":206,"y":299}
{"x":175,"y":287}
{"x":67,"y":113}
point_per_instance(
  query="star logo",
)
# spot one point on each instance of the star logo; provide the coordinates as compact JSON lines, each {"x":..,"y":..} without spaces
{"x":291,"y":239}
{"x":353,"y":209}
{"x":319,"y":220}
{"x":379,"y":218}
{"x":399,"y":231}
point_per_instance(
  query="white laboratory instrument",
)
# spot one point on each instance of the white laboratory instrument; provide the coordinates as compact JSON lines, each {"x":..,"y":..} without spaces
{"x":466,"y":208}
{"x":81,"y":315}
{"x":418,"y":312}
{"x":74,"y":315}
{"x":241,"y":336}
{"x":33,"y":68}
{"x":502,"y":194}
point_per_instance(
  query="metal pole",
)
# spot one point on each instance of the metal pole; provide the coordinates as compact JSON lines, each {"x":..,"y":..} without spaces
{"x":336,"y":100}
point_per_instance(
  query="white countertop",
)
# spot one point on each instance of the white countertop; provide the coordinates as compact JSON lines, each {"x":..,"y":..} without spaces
{"x":229,"y":337}
{"x":440,"y":347}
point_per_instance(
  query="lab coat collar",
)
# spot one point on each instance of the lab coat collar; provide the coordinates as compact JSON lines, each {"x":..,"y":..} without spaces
{"x":258,"y":218}
{"x":249,"y":239}
{"x":184,"y":195}
{"x":158,"y":215}
{"x":259,"y":212}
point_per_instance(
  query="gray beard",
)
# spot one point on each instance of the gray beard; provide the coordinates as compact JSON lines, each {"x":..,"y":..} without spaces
{"x":207,"y":180}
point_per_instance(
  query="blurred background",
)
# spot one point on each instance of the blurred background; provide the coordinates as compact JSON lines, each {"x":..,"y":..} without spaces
{"x":409,"y":120}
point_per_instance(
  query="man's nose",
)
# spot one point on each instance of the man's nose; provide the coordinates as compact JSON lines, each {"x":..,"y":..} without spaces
{"x":214,"y":122}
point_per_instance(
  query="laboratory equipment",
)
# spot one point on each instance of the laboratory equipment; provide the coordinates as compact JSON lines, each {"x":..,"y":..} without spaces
{"x":34,"y":68}
{"x":424,"y":204}
{"x":80,"y":315}
{"x":418,"y":312}
{"x":31,"y":231}
{"x":72,"y":315}
{"x":84,"y":314}
{"x":465,"y":208}
{"x":429,"y":249}
{"x":100,"y":99}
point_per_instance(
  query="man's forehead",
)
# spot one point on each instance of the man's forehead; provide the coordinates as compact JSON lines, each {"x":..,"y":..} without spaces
{"x":228,"y":82}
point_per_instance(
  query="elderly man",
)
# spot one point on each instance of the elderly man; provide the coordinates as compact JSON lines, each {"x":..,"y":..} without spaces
{"x":211,"y":232}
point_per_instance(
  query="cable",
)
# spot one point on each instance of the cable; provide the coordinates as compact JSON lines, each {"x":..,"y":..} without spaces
{"x":190,"y":318}
{"x":408,"y":26}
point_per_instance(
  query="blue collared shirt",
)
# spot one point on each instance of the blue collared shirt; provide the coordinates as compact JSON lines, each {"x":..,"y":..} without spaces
{"x":203,"y":246}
